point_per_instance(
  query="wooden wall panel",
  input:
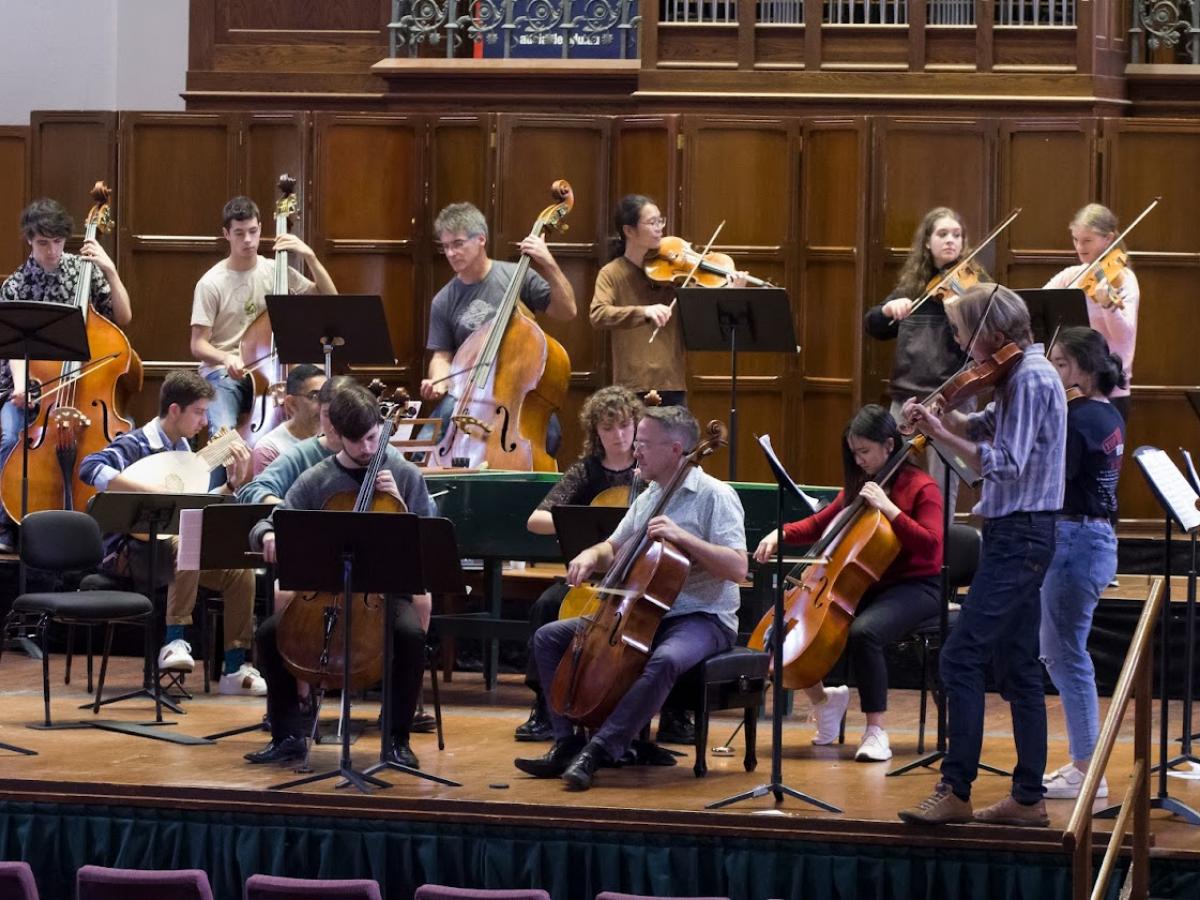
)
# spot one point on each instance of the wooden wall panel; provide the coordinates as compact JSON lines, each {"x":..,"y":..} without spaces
{"x":14,"y":196}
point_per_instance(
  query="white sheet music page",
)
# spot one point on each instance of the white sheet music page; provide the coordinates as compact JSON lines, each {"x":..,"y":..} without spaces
{"x":1170,"y":485}
{"x":190,"y":527}
{"x":765,"y":442}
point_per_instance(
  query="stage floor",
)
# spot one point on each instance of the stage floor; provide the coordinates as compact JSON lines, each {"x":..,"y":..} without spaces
{"x":98,"y":766}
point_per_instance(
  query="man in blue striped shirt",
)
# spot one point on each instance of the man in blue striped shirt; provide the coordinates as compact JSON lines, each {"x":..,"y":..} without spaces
{"x":1018,"y":445}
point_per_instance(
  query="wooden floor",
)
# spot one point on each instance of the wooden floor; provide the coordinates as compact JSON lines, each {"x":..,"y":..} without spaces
{"x":479,"y":750}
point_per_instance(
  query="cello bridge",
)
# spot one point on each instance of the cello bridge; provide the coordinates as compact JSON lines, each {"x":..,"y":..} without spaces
{"x":468,"y":422}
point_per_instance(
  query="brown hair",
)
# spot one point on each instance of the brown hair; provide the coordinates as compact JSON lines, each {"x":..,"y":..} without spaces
{"x":184,"y":387}
{"x":919,"y":266}
{"x":608,"y":406}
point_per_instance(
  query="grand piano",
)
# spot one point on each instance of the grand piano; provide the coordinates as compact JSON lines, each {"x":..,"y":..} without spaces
{"x":489,"y":511}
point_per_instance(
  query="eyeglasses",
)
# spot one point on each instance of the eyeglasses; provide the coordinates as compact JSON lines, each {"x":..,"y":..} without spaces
{"x":454,"y":245}
{"x":309,"y":395}
{"x":659,"y":222}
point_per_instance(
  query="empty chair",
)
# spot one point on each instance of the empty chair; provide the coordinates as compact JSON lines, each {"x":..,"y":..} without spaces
{"x":275,"y":887}
{"x":99,"y":883}
{"x":442,"y":892}
{"x":16,"y":881}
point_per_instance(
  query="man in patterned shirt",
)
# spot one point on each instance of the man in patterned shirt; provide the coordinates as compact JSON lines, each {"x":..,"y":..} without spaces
{"x":230,"y":296}
{"x":51,"y":275}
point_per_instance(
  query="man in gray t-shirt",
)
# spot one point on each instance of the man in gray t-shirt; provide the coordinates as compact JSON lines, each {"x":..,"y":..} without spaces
{"x":470,"y":299}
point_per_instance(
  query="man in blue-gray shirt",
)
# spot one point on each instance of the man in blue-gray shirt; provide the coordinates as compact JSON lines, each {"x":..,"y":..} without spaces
{"x":1018,"y":444}
{"x":703,"y":519}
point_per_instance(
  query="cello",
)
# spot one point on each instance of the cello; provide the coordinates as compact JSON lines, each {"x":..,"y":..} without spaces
{"x":609,"y":652}
{"x":257,"y":346}
{"x":79,"y":415}
{"x":310,"y":635}
{"x":509,"y":378}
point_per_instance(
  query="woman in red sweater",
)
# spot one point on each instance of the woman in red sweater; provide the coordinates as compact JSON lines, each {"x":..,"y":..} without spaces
{"x":908,"y":593}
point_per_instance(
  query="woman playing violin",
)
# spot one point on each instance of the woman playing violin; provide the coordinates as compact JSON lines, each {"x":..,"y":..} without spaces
{"x":1115,"y":311}
{"x":1017,"y":444}
{"x":908,"y":593}
{"x":926,"y":353}
{"x":1085,"y":553}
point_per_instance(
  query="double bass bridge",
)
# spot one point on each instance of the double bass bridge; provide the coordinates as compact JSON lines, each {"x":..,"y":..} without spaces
{"x":466,"y":423}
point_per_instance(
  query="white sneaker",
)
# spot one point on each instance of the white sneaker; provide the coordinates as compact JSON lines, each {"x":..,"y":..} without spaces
{"x":828,"y":715}
{"x":245,"y":680}
{"x":1050,"y":776}
{"x":1066,"y":783}
{"x":874,"y":746}
{"x":176,"y":656}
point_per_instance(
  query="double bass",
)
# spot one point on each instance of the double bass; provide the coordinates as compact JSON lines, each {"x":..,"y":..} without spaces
{"x":311,"y":627}
{"x":509,"y":378}
{"x":610,"y":651}
{"x":257,"y":346}
{"x":79,"y":402}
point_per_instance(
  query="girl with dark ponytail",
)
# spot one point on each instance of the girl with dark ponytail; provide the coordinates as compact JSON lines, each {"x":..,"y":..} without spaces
{"x":1085,"y":554}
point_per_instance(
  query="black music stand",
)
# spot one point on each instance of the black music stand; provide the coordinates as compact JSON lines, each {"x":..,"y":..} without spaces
{"x":580,"y":527}
{"x":345,"y":329}
{"x":775,"y":636}
{"x":224,"y":544}
{"x":348,"y":553}
{"x":442,"y":571}
{"x":128,"y":512}
{"x":1052,"y":309}
{"x":739,"y":320}
{"x":1189,"y":693}
{"x":1179,"y":503}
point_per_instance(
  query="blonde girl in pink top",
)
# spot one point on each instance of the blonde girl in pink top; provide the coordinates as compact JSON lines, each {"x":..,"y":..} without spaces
{"x":1092,"y":232}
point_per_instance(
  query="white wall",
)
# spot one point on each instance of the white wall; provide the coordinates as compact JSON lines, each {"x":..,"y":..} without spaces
{"x":91,"y":54}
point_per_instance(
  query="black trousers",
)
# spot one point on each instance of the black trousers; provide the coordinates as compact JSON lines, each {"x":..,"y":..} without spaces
{"x":884,"y":616}
{"x":408,"y":671}
{"x":544,"y":610}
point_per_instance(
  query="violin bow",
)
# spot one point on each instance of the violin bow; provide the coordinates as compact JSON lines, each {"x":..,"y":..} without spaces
{"x":991,"y":236}
{"x":1116,"y":242}
{"x":690,"y":275}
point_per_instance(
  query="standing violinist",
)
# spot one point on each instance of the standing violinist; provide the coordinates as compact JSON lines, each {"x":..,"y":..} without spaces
{"x":704,"y":520}
{"x":1114,"y":308}
{"x":629,"y":303}
{"x":1017,"y":443}
{"x":51,"y":275}
{"x":470,"y":299}
{"x":355,"y":422}
{"x":907,"y":594}
{"x":231,"y":295}
{"x":926,"y":352}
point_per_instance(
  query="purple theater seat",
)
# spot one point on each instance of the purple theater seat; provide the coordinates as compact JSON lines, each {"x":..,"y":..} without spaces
{"x":441,"y":892}
{"x":99,"y":883}
{"x":274,"y":887}
{"x":612,"y":895}
{"x":16,"y":881}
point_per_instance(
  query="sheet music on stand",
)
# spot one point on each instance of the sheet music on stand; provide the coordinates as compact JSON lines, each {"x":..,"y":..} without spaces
{"x":1177,"y":497}
{"x":785,"y":479}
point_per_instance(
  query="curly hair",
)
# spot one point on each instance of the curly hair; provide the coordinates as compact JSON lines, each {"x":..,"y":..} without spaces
{"x":608,"y":406}
{"x":919,"y":267}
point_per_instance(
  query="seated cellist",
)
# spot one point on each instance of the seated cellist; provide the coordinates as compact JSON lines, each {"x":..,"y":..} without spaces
{"x":705,"y":521}
{"x":907,"y":594}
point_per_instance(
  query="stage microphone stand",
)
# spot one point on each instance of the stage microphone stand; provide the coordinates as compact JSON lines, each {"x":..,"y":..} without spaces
{"x":776,"y":633}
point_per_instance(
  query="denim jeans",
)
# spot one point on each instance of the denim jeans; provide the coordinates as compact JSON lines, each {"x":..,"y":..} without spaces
{"x":998,"y":626}
{"x":233,"y":398}
{"x":11,"y":426}
{"x":445,"y":409}
{"x":1085,"y":561}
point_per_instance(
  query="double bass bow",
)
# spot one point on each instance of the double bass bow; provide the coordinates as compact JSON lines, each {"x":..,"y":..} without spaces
{"x":79,"y":416}
{"x":610,"y":651}
{"x":509,"y":377}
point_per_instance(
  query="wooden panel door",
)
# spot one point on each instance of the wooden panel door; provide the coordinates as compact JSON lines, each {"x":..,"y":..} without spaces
{"x":368,"y":175}
{"x":531,"y":153}
{"x":757,"y":198}
{"x":14,"y":195}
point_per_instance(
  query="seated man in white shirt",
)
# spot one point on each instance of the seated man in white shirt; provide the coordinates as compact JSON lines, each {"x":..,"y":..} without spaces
{"x":303,"y":416}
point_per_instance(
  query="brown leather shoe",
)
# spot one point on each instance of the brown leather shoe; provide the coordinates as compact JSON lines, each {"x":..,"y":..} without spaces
{"x":1009,"y":812}
{"x":941,"y":807}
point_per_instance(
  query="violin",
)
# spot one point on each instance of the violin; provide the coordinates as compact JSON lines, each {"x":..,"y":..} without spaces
{"x":964,"y":274}
{"x":970,"y":382}
{"x":610,"y":650}
{"x":1110,"y":265}
{"x":310,"y":632}
{"x":79,"y":416}
{"x":677,"y":262}
{"x":1074,"y":392}
{"x":257,"y":346}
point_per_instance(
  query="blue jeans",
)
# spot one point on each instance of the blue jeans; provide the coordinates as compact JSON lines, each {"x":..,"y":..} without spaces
{"x":445,"y":409}
{"x":1085,"y":561}
{"x":680,"y":643}
{"x":233,"y":398}
{"x":998,"y":627}
{"x":11,"y":427}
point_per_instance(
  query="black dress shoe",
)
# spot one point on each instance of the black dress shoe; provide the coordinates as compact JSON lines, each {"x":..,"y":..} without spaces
{"x":580,"y":772}
{"x":555,"y":762}
{"x":288,"y":749}
{"x":423,"y":723}
{"x":675,"y":726}
{"x":401,"y":754}
{"x":537,"y":727}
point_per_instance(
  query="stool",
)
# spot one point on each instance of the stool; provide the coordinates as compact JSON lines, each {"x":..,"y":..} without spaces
{"x":735,"y":679}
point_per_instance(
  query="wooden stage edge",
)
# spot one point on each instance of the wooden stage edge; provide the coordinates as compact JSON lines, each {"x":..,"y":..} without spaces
{"x":94,"y":767}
